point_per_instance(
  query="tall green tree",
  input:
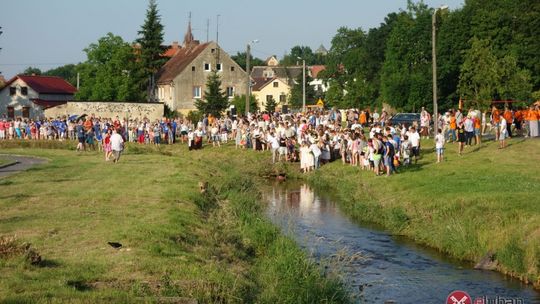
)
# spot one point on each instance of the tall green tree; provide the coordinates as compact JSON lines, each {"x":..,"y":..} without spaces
{"x":239,"y":102}
{"x":479,"y":75}
{"x":270,"y":106}
{"x":67,"y":72}
{"x":215,"y":100}
{"x":296,"y":93}
{"x":32,"y":70}
{"x":406,"y":77}
{"x":107,"y":75}
{"x":303,"y":52}
{"x":240,"y":59}
{"x":151,"y":48}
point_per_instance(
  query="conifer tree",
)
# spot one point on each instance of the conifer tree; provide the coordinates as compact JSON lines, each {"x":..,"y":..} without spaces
{"x":215,"y":100}
{"x":151,"y":49}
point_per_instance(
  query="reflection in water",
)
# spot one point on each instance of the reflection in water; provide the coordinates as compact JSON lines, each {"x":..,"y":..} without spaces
{"x":381,"y":266}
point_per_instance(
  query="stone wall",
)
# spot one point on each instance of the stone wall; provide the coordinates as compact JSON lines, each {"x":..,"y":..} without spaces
{"x":109,"y":109}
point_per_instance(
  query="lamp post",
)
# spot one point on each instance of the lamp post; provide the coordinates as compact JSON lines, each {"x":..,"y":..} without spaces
{"x":434,"y":65}
{"x":248,"y":83}
{"x":303,"y":84}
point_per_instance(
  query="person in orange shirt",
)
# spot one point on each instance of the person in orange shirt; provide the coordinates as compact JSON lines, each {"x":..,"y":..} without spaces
{"x":518,"y":118}
{"x":453,"y":126}
{"x":532,"y":117}
{"x":363,"y":119}
{"x":477,"y":127}
{"x":509,"y":117}
{"x":495,"y":121}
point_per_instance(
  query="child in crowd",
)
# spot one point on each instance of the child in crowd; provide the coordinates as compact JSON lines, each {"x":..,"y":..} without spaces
{"x":439,"y":146}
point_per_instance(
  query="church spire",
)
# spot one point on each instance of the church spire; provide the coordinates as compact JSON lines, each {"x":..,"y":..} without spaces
{"x":188,"y":37}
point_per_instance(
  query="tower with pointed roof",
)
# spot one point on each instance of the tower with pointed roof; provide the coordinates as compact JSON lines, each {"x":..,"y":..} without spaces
{"x":188,"y":37}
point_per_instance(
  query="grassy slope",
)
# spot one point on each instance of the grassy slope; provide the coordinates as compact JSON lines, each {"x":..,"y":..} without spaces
{"x":216,"y":248}
{"x":486,"y":200}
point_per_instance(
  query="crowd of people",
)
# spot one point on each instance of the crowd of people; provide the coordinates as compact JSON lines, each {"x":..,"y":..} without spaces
{"x":356,"y":137}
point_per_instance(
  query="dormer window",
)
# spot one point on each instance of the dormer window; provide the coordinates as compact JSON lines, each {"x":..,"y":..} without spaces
{"x":268,"y":74}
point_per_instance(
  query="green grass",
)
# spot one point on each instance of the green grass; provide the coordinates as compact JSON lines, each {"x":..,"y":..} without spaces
{"x":487,"y":200}
{"x":216,"y":248}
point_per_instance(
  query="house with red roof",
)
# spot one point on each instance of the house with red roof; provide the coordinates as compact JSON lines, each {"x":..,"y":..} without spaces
{"x":28,"y":96}
{"x":182,"y":79}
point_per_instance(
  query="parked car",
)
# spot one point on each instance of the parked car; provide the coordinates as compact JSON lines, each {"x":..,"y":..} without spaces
{"x":405,"y":118}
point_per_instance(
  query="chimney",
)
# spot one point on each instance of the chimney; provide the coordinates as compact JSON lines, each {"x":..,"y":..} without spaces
{"x":174,"y":45}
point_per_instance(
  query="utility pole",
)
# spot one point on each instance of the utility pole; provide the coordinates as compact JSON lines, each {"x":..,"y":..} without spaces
{"x":248,"y":81}
{"x":1,"y":32}
{"x":303,"y":84}
{"x":434,"y":67}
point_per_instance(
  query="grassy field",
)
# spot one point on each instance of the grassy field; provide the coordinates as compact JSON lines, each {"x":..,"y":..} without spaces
{"x":215,"y":247}
{"x":486,"y":201}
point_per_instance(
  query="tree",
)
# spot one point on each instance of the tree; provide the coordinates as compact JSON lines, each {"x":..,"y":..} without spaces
{"x":215,"y":100}
{"x":303,"y":52}
{"x":151,"y":49}
{"x":296,"y":94}
{"x":67,"y":72}
{"x":270,"y":106}
{"x":240,"y":59}
{"x":239,"y":102}
{"x":406,"y":72}
{"x":31,"y":71}
{"x":514,"y":83}
{"x":107,"y":75}
{"x":479,"y":76}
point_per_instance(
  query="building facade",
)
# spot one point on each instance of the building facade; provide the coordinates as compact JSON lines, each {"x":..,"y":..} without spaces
{"x":274,"y":88}
{"x":182,"y":80}
{"x":28,"y":96}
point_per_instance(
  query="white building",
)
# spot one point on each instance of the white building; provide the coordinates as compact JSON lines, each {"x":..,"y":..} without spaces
{"x":28,"y":96}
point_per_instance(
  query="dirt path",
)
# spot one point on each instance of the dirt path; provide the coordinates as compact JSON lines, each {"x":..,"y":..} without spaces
{"x":23,"y":163}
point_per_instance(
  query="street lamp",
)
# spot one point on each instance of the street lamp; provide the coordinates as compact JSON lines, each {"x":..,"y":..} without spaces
{"x":303,"y":84}
{"x":434,"y":64}
{"x":248,"y":83}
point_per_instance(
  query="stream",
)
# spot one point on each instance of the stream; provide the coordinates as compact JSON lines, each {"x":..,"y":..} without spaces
{"x":376,"y":266}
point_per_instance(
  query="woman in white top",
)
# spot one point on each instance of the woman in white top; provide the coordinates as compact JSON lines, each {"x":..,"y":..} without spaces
{"x":306,"y":158}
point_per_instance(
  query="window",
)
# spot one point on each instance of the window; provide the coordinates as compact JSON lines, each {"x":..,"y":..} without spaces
{"x":232,"y":69}
{"x":12,"y":91}
{"x":268,"y":74}
{"x":218,"y":66}
{"x":276,"y":84}
{"x":26,"y":112}
{"x":196,"y":92}
{"x":11,"y":112}
{"x":213,"y":51}
{"x":193,"y":68}
{"x":282,"y":98}
{"x":269,"y":98}
{"x":230,"y":92}
{"x":207,"y":66}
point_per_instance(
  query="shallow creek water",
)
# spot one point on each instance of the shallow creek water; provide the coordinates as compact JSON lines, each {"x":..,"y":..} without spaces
{"x":376,"y":266}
